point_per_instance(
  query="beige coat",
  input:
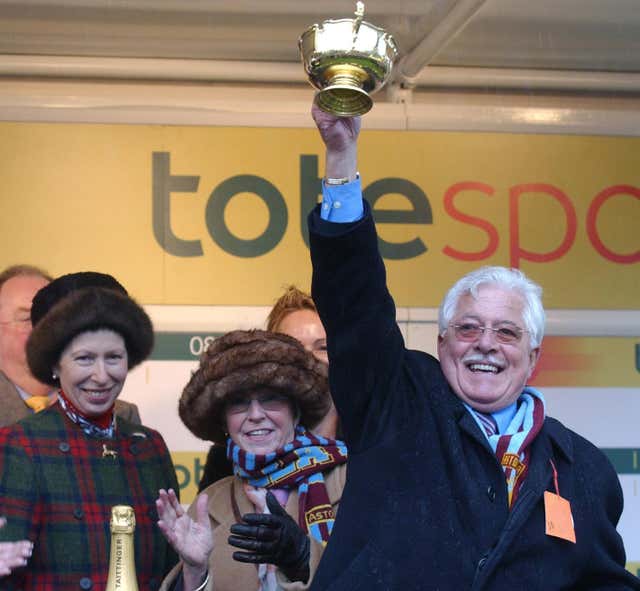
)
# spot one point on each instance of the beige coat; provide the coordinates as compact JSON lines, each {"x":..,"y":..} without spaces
{"x":226,"y":574}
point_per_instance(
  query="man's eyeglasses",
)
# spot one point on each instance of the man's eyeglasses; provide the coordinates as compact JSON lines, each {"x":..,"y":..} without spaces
{"x":470,"y":331}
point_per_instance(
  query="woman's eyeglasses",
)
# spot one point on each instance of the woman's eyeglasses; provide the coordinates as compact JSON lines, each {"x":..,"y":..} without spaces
{"x":470,"y":331}
{"x":266,"y":401}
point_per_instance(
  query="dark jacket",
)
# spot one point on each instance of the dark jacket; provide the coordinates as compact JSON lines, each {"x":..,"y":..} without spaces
{"x":57,"y":487}
{"x":425,"y":504}
{"x":216,"y":467}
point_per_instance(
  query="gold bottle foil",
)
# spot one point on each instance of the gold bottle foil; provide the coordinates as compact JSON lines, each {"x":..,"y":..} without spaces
{"x":122,"y":567}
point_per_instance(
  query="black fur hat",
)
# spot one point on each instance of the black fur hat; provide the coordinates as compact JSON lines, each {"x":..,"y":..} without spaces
{"x":245,"y":361}
{"x":81,"y":302}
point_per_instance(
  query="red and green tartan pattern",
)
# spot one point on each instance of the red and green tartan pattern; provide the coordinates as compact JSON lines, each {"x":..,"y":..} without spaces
{"x":57,"y":489}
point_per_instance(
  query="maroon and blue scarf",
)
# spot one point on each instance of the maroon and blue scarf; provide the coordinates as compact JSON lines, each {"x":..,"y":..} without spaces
{"x":298,"y":464}
{"x":512,"y":448}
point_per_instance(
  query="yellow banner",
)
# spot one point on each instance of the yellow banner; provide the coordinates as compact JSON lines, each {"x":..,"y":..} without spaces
{"x":189,"y":468}
{"x":588,"y":362}
{"x":209,"y":215}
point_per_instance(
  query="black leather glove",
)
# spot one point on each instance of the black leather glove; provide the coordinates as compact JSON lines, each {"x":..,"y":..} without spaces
{"x":273,"y":538}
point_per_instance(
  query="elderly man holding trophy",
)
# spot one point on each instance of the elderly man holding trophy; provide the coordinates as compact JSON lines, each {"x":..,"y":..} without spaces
{"x":457,"y":479}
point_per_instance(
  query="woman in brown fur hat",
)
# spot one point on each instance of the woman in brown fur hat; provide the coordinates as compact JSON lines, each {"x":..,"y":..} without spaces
{"x":295,"y":314}
{"x":259,"y":392}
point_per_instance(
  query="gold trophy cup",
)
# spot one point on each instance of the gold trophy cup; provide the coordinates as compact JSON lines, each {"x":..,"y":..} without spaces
{"x":347,"y":60}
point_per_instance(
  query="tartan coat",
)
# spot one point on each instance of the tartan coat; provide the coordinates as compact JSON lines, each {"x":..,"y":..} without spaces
{"x":57,"y":489}
{"x":14,"y":408}
{"x":425,"y":503}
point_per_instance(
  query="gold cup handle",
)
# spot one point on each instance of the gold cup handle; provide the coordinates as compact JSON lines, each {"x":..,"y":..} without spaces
{"x":357,"y":21}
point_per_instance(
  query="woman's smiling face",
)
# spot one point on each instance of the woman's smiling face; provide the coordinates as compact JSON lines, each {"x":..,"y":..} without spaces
{"x":92,"y":370}
{"x":260,"y":423}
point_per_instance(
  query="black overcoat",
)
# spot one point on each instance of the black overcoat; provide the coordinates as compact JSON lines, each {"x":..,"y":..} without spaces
{"x":425,"y":503}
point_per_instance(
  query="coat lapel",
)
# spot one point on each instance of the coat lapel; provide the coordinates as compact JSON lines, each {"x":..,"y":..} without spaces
{"x":470,"y":427}
{"x":550,"y":443}
{"x":13,"y":407}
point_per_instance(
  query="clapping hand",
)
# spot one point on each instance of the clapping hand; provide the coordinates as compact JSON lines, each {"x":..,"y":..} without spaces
{"x":272,"y":538}
{"x":192,"y":540}
{"x":13,"y":554}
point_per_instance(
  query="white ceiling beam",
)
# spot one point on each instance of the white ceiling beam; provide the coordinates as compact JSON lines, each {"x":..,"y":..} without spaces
{"x":273,"y":73}
{"x":462,"y":11}
{"x":528,"y":79}
{"x":188,"y":70}
{"x":167,"y":103}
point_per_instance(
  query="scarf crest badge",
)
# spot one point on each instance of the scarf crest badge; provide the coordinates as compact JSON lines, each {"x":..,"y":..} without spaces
{"x":299,"y":465}
{"x":512,"y":448}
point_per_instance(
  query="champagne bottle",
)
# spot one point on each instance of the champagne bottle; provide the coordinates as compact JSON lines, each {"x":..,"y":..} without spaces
{"x":122,"y":567}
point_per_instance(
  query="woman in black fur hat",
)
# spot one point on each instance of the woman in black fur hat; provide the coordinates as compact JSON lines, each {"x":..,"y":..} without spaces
{"x":258,"y":392}
{"x":62,"y":470}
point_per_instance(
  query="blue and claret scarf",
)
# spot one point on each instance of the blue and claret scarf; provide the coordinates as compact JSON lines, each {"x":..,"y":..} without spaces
{"x":298,"y":464}
{"x":512,"y":448}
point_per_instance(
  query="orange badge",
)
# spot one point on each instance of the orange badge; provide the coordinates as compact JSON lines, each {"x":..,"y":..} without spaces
{"x":558,"y":518}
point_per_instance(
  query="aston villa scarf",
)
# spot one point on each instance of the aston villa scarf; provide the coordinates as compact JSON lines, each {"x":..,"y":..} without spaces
{"x":512,"y":448}
{"x":298,"y":464}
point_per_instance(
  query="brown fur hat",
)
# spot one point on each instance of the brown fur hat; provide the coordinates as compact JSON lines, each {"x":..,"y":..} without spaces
{"x":245,"y":361}
{"x":71,"y":311}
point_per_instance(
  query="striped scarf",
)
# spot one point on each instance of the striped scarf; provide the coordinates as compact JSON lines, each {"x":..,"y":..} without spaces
{"x":103,"y":427}
{"x":298,"y":464}
{"x":512,"y":448}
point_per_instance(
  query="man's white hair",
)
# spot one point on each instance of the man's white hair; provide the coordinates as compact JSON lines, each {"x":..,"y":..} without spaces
{"x":511,"y":279}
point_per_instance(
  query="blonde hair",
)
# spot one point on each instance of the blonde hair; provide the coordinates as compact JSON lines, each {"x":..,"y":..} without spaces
{"x":292,"y":300}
